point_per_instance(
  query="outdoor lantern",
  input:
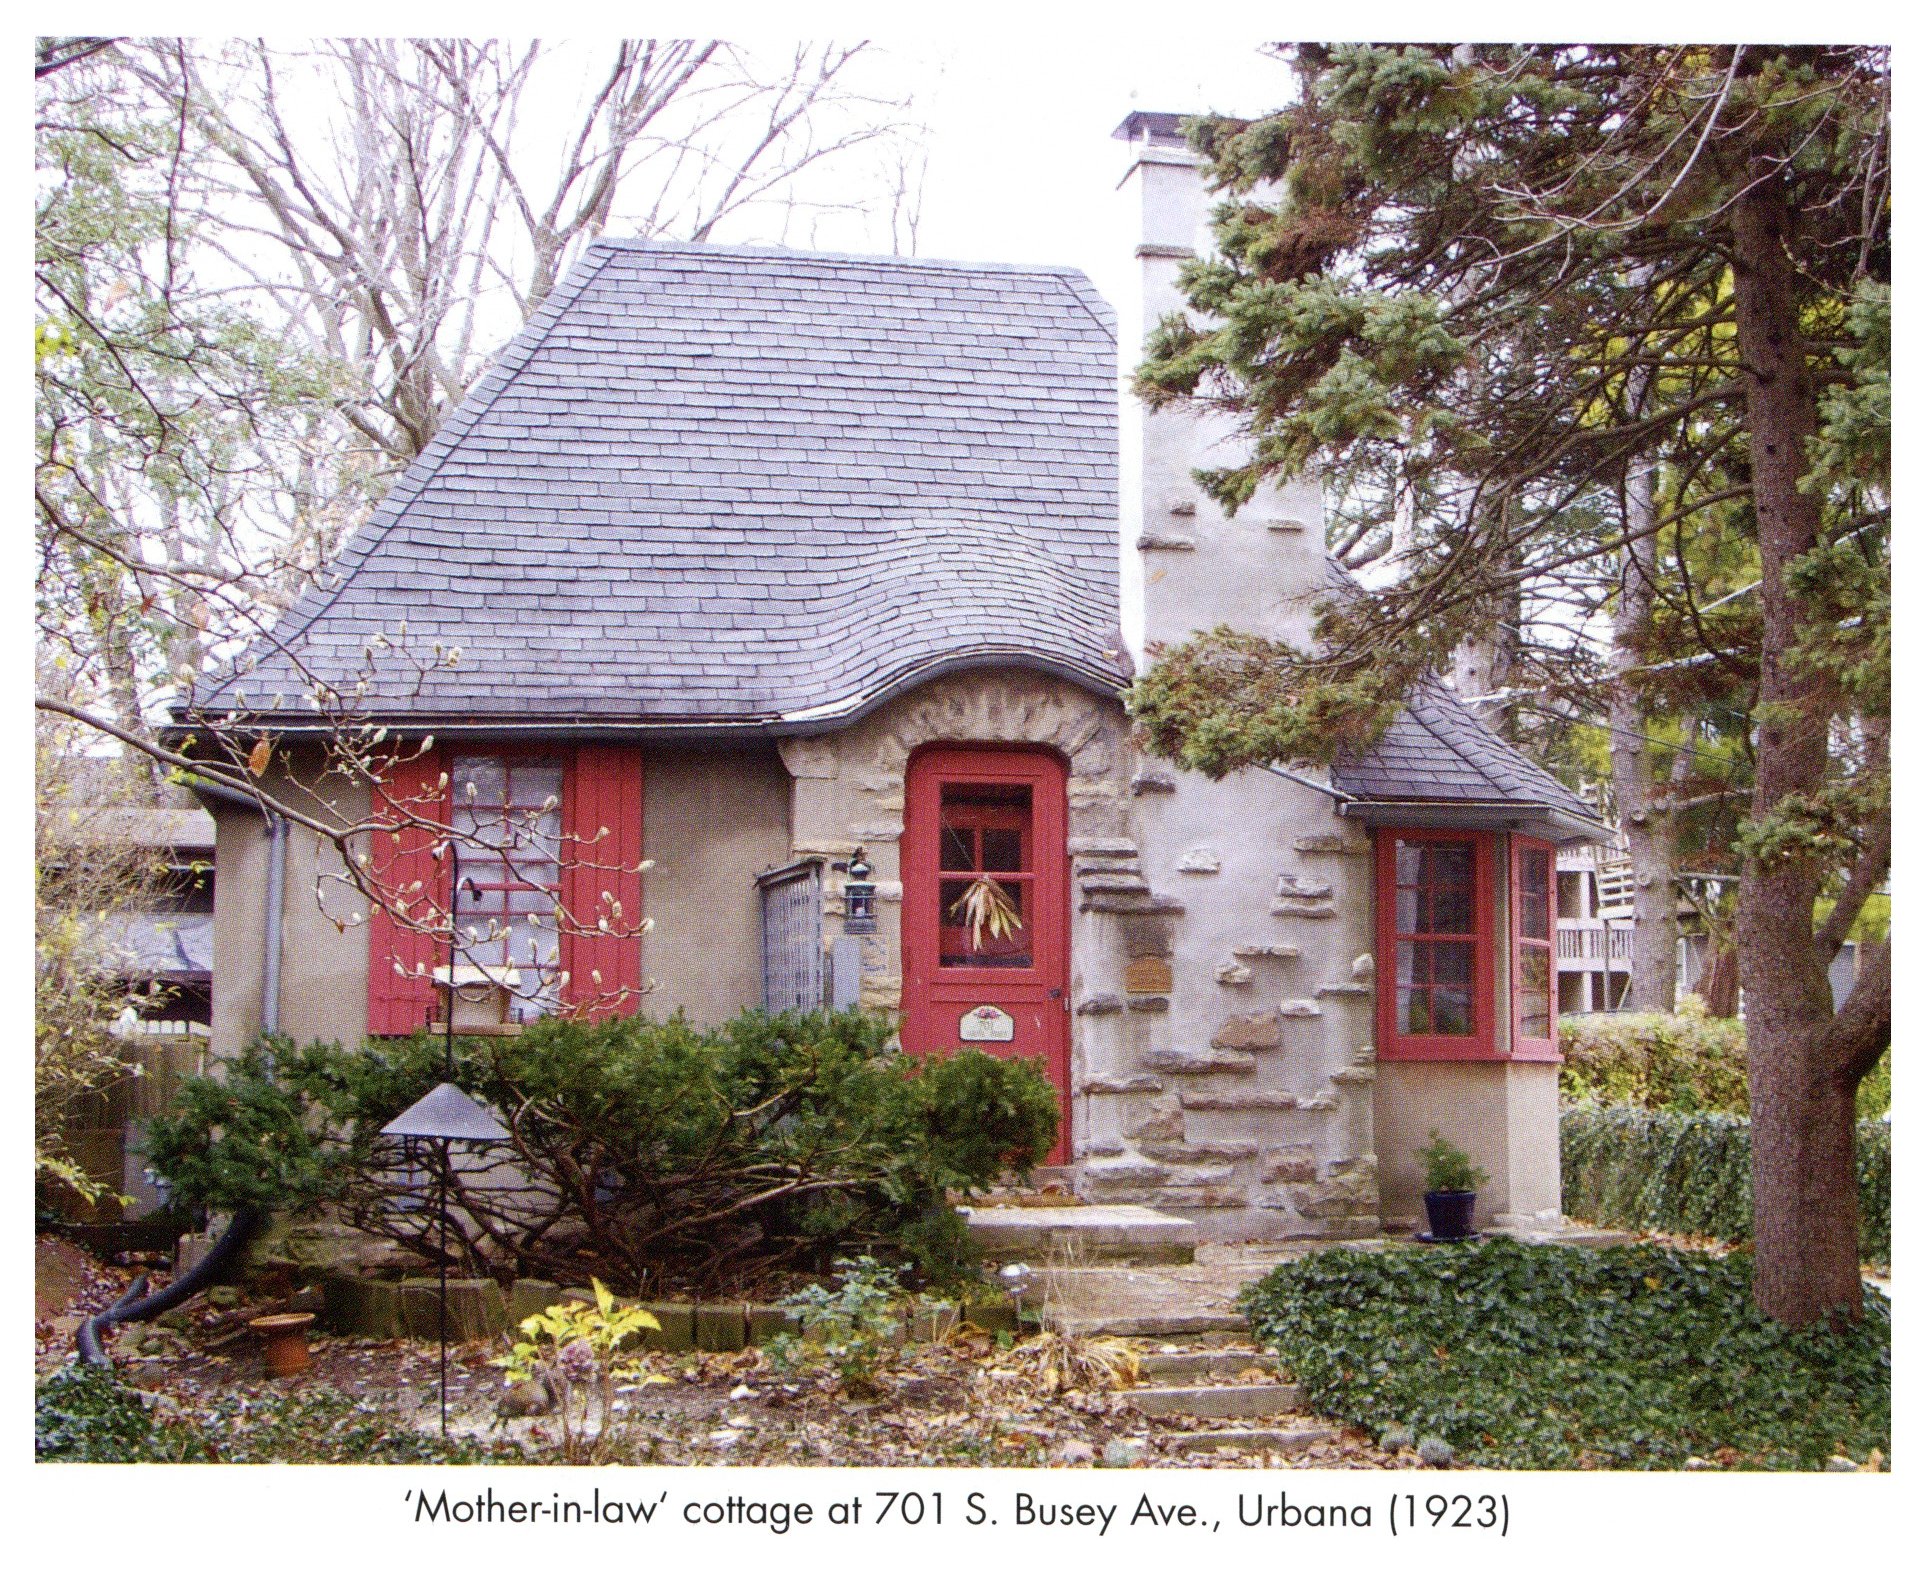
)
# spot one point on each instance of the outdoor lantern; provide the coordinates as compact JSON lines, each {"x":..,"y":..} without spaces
{"x":859,"y":898}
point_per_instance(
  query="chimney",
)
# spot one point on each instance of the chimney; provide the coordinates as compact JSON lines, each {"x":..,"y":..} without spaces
{"x":1185,"y":567}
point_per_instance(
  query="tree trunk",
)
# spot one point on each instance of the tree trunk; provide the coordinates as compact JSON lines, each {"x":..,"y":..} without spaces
{"x":1644,"y":810}
{"x":1804,"y":1183}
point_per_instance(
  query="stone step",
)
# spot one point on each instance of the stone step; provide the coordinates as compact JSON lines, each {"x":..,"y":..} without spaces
{"x":1230,"y":1402}
{"x":1191,"y":1366}
{"x":1152,"y":1325}
{"x":1270,"y":1440}
{"x":1122,"y":1232}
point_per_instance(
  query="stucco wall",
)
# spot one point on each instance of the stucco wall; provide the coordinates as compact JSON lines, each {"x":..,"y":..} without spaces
{"x":712,"y":820}
{"x":324,"y":968}
{"x":1502,"y":1113}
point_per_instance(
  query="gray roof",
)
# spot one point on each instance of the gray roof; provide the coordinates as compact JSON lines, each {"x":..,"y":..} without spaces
{"x":724,"y":486}
{"x":178,"y":947}
{"x":1436,"y":751}
{"x":1438,"y":754}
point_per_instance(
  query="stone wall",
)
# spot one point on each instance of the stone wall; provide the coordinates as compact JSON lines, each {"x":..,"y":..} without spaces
{"x":1219,"y":954}
{"x":1229,"y":1030}
{"x":848,"y":787}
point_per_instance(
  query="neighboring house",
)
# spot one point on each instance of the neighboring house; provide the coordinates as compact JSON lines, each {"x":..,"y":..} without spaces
{"x":779,"y":564}
{"x":163,"y":952}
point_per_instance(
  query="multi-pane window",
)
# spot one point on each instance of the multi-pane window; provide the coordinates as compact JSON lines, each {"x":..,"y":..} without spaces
{"x":1533,"y":937}
{"x":507,"y":812}
{"x":1436,"y":938}
{"x":988,"y":875}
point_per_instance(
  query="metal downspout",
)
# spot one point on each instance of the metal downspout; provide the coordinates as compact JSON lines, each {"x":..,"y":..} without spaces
{"x":271,"y":931}
{"x":276,"y":887}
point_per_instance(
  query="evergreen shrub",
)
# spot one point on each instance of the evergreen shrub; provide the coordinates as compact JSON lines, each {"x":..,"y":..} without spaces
{"x":1682,"y":1061}
{"x":1690,"y":1174}
{"x":1559,"y":1357}
{"x":642,"y":1152}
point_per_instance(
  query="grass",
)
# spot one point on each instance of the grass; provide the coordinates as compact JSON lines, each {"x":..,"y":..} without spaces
{"x":1549,"y":1357}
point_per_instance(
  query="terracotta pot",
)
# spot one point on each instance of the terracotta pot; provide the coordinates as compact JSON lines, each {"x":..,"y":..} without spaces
{"x":1450,"y":1213}
{"x":284,"y":1341}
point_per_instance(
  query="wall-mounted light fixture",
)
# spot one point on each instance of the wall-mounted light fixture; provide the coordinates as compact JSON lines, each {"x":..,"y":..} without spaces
{"x":859,"y":897}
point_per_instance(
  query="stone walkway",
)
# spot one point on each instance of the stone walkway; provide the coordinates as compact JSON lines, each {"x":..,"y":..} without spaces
{"x":1157,"y":1300}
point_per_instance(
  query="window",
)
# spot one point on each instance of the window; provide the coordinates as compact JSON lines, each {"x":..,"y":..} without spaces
{"x":508,"y":811}
{"x":1533,"y":951}
{"x":988,"y":871}
{"x":1434,"y":945}
{"x":1438,"y":995}
{"x":556,"y":827}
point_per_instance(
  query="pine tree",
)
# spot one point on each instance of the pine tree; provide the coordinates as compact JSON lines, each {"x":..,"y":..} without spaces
{"x":1516,"y":278}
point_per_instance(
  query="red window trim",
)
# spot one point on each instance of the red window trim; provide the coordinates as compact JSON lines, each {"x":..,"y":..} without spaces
{"x":1523,"y":1048}
{"x":610,"y":775}
{"x":1481,"y":1043}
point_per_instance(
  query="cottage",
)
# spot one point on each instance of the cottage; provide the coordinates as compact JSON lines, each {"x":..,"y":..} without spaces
{"x":816,"y":581}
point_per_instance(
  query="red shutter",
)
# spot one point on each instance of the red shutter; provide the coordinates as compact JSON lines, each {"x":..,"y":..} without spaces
{"x":601,"y":880}
{"x":411,"y":881}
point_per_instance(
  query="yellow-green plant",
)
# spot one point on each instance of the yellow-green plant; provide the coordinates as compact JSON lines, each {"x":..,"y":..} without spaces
{"x":574,"y":1350}
{"x":986,"y":906}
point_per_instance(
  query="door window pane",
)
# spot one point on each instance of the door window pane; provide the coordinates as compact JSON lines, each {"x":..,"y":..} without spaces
{"x":986,"y":847}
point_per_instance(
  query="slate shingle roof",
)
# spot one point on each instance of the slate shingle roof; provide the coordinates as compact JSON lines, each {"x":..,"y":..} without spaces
{"x":727,"y":486}
{"x":1437,"y":752}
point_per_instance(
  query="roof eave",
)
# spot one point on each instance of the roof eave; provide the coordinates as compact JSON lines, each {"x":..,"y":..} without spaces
{"x":1545,"y":821}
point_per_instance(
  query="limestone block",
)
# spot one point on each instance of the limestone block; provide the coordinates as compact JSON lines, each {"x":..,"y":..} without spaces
{"x":1127,"y":902}
{"x":1201,"y":859}
{"x":1332,"y":842}
{"x":1348,"y":1189}
{"x":678,"y":1326}
{"x":1137,"y":1084}
{"x":1201,"y":1175}
{"x":1345,"y":991}
{"x":1254,"y":1030}
{"x":1290,"y":885}
{"x":1234,"y":974}
{"x":1201,"y":1152}
{"x":1120,"y":882}
{"x":1183,"y":507}
{"x":1300,"y":1008}
{"x":1354,"y":1076}
{"x":1254,"y":1099}
{"x":1099,"y":1005}
{"x":1148,"y":935}
{"x":1152,"y":782}
{"x":1296,"y":1162}
{"x":721,"y":1327}
{"x":1124,"y":1170}
{"x":1197,"y":1062}
{"x":1162,"y":541}
{"x":1295,"y":909}
{"x":1162,"y":1121}
{"x":1150,"y":1004}
{"x":1281,"y":953}
{"x":1101,"y":847}
{"x":1364,"y":966}
{"x":1321,"y":1101}
{"x":1148,"y":975}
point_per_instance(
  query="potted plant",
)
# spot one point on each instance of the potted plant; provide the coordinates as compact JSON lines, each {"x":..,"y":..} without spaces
{"x":1450,"y":1188}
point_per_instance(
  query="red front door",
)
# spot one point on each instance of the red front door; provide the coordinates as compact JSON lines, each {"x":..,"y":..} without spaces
{"x":985,"y":909}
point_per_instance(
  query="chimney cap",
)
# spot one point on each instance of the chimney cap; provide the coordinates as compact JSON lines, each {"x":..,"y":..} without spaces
{"x":1160,"y":128}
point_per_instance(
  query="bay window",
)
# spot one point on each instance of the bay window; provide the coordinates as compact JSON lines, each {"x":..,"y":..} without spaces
{"x":1441,"y":938}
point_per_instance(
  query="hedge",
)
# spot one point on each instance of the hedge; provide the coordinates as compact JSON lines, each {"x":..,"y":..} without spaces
{"x":1691,"y":1173}
{"x":1683,"y":1061}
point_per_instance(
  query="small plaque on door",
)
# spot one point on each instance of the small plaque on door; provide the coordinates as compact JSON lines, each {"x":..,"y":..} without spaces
{"x":986,"y":1025}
